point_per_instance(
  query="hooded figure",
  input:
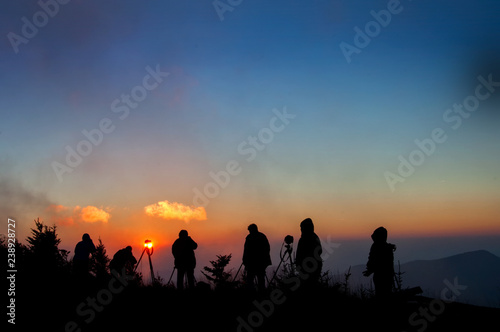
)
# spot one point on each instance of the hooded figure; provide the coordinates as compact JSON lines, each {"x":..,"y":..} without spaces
{"x":256,"y":257}
{"x":381,"y":263}
{"x":184,"y":258}
{"x":308,"y":257}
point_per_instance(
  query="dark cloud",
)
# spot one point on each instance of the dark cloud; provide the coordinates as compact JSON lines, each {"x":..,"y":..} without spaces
{"x":20,"y":204}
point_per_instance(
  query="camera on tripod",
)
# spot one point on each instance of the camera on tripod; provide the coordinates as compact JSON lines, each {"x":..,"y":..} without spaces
{"x":287,"y":255}
{"x":288,"y":242}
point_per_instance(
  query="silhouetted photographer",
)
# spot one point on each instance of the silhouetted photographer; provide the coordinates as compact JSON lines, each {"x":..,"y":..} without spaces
{"x":308,"y":259}
{"x":256,"y":257}
{"x":184,"y":258}
{"x":381,"y":263}
{"x":123,"y":259}
{"x":81,"y":260}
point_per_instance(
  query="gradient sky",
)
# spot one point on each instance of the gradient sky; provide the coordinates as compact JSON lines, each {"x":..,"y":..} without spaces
{"x":227,"y":79}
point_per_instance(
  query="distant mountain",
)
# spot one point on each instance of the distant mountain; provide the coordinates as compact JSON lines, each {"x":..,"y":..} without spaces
{"x":478,"y":270}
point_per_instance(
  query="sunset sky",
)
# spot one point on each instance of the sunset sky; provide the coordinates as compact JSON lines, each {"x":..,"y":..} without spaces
{"x":135,"y":119}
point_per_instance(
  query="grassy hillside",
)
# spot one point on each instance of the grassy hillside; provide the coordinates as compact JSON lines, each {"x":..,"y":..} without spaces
{"x":50,"y":296}
{"x":281,"y":309}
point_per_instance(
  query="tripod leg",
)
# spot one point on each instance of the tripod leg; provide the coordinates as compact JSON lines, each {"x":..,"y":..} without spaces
{"x":137,"y":265}
{"x":237,"y":272}
{"x":169,"y":280}
{"x":276,"y":272}
{"x":291,"y":260}
{"x":290,"y":256}
{"x":151,"y":268}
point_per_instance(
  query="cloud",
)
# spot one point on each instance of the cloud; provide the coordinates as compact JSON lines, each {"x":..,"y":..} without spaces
{"x":94,"y":214}
{"x":64,"y":215}
{"x":17,"y":201}
{"x":175,"y":211}
{"x":59,"y":214}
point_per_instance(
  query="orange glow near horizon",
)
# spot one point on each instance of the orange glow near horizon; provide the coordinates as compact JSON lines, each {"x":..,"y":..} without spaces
{"x":226,"y":224}
{"x":118,"y":236}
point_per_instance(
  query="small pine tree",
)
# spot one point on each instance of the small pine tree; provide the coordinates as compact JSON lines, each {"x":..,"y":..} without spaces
{"x":43,"y":246}
{"x":217,"y":276}
{"x":100,"y":261}
{"x":158,"y":281}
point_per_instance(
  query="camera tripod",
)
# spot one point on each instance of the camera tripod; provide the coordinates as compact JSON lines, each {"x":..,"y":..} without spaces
{"x":148,"y":247}
{"x":288,"y":245}
{"x":186,"y":280}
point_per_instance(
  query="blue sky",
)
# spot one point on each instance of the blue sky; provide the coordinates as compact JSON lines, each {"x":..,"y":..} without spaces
{"x":225,"y":78}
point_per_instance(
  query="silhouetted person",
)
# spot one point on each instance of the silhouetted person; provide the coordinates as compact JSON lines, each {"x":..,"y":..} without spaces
{"x":256,"y":257}
{"x":81,"y":259}
{"x":308,"y":258}
{"x":184,"y":259}
{"x":381,"y":263}
{"x":122,"y":260}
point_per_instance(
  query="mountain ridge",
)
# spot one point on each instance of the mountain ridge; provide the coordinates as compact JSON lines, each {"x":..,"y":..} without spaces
{"x":478,"y":272}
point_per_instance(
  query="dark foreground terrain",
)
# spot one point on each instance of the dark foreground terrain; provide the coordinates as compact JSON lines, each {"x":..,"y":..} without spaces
{"x":111,"y":307}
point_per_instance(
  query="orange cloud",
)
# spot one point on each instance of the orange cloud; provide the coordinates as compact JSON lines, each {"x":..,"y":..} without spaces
{"x":175,"y":211}
{"x":94,"y":214}
{"x":64,"y":215}
{"x":59,"y":214}
{"x":57,"y":208}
